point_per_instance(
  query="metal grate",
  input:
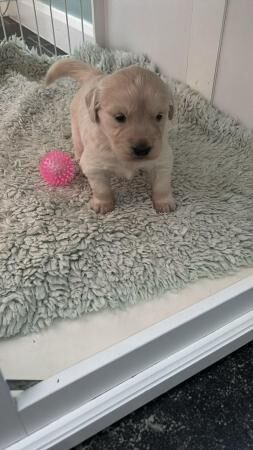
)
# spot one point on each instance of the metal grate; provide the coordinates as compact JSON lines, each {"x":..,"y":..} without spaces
{"x":8,"y":6}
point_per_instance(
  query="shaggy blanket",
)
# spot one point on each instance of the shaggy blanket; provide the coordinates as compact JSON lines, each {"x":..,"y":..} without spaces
{"x":58,"y":259}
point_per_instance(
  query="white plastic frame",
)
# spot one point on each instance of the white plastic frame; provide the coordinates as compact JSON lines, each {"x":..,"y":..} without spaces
{"x":80,"y":401}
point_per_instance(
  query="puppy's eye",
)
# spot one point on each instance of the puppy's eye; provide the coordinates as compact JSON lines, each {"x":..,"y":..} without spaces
{"x":159,"y":117}
{"x":121,"y":118}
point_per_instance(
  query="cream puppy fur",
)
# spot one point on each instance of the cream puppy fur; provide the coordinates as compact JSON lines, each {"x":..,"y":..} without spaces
{"x":120,"y":125}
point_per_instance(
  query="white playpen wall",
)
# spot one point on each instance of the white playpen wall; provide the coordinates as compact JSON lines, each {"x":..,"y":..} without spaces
{"x":206,"y":43}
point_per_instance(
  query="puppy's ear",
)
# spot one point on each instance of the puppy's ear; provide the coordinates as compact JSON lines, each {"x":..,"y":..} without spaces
{"x":92,"y":103}
{"x":171,"y":112}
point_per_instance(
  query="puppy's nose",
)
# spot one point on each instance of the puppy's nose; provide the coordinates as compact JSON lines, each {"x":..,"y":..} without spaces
{"x":141,"y":150}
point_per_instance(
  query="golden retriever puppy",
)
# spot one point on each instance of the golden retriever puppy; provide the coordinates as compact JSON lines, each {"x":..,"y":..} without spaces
{"x":120,"y":125}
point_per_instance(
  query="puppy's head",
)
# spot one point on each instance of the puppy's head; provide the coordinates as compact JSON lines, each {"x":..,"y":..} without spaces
{"x":132,"y":106}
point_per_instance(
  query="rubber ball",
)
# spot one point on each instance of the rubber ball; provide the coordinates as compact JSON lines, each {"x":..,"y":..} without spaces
{"x":57,"y":168}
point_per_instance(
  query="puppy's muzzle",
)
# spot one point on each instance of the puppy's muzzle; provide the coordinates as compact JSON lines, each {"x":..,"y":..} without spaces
{"x":141,"y":150}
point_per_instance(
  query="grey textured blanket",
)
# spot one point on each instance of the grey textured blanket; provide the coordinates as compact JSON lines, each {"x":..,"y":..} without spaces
{"x":58,"y":259}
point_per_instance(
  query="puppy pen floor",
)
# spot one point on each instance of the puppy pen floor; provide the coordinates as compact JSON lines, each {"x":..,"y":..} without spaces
{"x":68,"y":342}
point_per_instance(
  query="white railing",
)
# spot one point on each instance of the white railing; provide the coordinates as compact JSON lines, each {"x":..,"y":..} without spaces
{"x":59,"y":27}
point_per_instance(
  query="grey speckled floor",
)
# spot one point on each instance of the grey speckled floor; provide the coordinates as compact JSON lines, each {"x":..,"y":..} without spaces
{"x":213,"y":410}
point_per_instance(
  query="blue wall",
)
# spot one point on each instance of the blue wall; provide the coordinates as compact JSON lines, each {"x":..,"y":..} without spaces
{"x":74,"y":7}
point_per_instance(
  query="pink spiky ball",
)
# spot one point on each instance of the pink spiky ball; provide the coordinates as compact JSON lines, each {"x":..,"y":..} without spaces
{"x":57,"y":168}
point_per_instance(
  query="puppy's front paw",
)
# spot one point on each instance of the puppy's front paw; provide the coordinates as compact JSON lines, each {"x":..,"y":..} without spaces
{"x":101,"y":207}
{"x":164,"y":205}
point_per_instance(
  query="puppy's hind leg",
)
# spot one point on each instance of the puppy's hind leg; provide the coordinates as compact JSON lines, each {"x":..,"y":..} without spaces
{"x":76,"y":139}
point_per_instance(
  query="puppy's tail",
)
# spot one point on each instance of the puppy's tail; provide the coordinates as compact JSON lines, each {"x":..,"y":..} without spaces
{"x":70,"y":68}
